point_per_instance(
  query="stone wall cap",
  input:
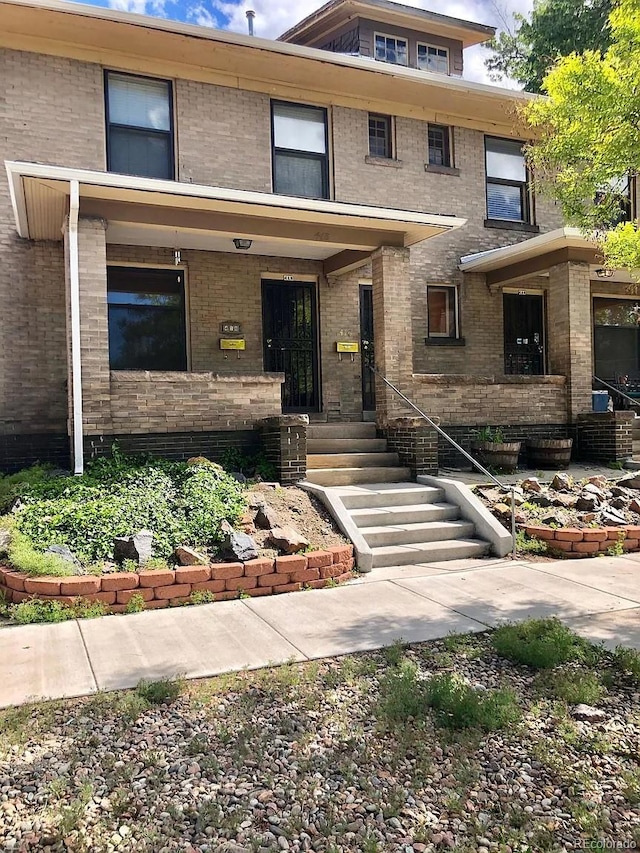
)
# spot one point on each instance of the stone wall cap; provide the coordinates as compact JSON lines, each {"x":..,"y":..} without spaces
{"x":409,"y":421}
{"x":470,"y":379}
{"x":133,"y":376}
{"x":285,"y":421}
{"x":607,"y":416}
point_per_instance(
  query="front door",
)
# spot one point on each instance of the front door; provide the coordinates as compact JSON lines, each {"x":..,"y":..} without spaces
{"x":367,"y":348}
{"x":523,"y":334}
{"x":290,"y":338}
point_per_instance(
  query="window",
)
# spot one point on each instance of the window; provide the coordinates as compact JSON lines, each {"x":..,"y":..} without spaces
{"x":380,"y":136}
{"x":439,"y":145}
{"x":442,"y":311}
{"x":139,"y":126}
{"x":507,"y":195}
{"x":432,"y":58}
{"x":147,"y":325}
{"x":300,"y":161}
{"x":391,"y":49}
{"x":617,"y":198}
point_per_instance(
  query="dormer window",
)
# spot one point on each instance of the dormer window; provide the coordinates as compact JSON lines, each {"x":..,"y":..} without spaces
{"x":432,"y":58}
{"x":391,"y":49}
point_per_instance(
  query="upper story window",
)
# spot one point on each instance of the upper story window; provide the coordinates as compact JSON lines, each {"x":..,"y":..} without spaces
{"x":432,"y":58}
{"x":622,"y":189}
{"x":146,"y":316}
{"x":139,"y":126}
{"x":439,"y":138}
{"x":300,"y":150}
{"x":507,"y":193}
{"x":380,"y":143}
{"x":391,"y":49}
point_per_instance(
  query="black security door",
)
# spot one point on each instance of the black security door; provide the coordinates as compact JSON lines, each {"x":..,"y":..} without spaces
{"x":290,"y":341}
{"x":523,"y":334}
{"x":367,"y":348}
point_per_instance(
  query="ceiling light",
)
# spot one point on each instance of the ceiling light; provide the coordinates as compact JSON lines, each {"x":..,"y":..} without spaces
{"x":242,"y":243}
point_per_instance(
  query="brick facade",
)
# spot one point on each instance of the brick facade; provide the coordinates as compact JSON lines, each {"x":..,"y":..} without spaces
{"x":605,"y":436}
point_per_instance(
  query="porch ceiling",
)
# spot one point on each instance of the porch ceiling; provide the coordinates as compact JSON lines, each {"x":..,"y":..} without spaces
{"x":150,"y":212}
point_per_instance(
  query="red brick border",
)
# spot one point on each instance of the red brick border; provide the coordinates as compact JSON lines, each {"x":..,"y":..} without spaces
{"x":163,"y":588}
{"x":587,"y":541}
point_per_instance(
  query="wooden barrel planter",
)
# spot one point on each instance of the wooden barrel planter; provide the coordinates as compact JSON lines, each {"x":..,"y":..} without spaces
{"x":501,"y":456}
{"x":554,"y":453}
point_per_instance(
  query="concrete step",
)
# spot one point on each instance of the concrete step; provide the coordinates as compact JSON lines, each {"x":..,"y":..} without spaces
{"x":383,"y":494}
{"x":424,"y":531}
{"x":351,"y":476}
{"x":351,"y":460}
{"x":342,"y":430}
{"x":428,"y":552}
{"x":411,"y":514}
{"x":346,"y":445}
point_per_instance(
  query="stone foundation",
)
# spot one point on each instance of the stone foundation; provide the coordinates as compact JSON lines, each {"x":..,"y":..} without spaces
{"x":21,"y":451}
{"x":167,"y":587}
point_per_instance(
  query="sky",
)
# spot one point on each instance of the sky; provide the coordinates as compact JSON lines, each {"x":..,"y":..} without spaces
{"x":273,"y":17}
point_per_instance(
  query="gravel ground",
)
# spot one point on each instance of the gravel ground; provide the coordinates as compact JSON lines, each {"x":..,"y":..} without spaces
{"x":301,"y":757}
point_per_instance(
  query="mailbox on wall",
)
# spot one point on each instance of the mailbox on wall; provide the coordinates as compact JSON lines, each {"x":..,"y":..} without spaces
{"x":232,"y":343}
{"x":347,"y":346}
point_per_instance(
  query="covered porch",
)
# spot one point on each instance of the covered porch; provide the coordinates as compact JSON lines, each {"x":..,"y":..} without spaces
{"x":194,"y":313}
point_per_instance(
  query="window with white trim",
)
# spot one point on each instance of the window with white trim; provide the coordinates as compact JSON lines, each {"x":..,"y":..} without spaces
{"x":391,"y":49}
{"x":300,"y":146}
{"x":442,"y":311}
{"x":380,"y":137}
{"x":139,"y":126}
{"x":432,"y":58}
{"x":507,"y":186}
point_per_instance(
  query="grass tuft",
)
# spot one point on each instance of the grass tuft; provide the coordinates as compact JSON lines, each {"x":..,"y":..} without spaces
{"x":35,"y":610}
{"x":574,"y":686}
{"x":540,"y":643}
{"x":162,"y":692}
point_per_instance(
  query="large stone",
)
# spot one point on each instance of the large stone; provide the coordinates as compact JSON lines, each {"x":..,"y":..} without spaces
{"x":634,"y":506}
{"x":567,"y":501}
{"x":621,"y":503}
{"x":593,"y":489}
{"x":188,"y":557}
{"x":66,"y":554}
{"x":588,"y":714}
{"x":239,"y":546}
{"x":630,"y":482}
{"x":617,"y":492}
{"x":610,"y":515}
{"x":532,"y":484}
{"x":266,"y":517}
{"x":137,"y":547}
{"x":541,"y":499}
{"x":5,"y":539}
{"x":288,"y":539}
{"x":587,"y":502}
{"x":562,"y":482}
{"x":599,"y":480}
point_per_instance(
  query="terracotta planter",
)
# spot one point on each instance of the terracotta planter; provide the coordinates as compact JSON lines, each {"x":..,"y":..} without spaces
{"x":503,"y":456}
{"x":554,"y":453}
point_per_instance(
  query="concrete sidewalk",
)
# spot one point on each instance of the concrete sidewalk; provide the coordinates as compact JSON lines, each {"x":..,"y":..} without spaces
{"x":600,"y":598}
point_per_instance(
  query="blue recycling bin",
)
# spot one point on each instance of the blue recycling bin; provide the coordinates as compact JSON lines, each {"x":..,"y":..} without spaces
{"x":600,"y":401}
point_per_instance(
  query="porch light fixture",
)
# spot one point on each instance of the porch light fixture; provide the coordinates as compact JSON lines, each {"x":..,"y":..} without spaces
{"x":177,"y":257}
{"x":603,"y":272}
{"x":242,"y":243}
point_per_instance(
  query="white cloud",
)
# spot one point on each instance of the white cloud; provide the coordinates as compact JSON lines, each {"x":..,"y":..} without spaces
{"x":141,"y":7}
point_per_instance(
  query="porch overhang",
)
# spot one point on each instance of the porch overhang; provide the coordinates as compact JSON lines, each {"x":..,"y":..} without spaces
{"x":152,"y":212}
{"x":532,"y":257}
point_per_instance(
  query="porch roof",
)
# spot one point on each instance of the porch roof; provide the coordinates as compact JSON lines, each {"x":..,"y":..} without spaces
{"x":532,"y":257}
{"x":152,"y":212}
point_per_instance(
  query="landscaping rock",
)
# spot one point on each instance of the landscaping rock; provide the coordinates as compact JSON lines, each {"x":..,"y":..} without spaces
{"x":587,"y":502}
{"x":532,"y":484}
{"x":621,"y":503}
{"x":588,"y":714}
{"x":634,"y":506}
{"x":613,"y":516}
{"x":239,"y":476}
{"x":541,"y":500}
{"x":68,"y":556}
{"x":562,"y":482}
{"x":288,"y":539}
{"x":239,"y":546}
{"x":594,"y":490}
{"x":567,"y":501}
{"x":632,"y":481}
{"x":188,"y":557}
{"x":5,"y":539}
{"x":266,"y":517}
{"x":617,"y":492}
{"x":137,"y":547}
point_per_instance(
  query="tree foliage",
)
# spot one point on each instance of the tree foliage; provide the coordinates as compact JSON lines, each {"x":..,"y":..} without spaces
{"x":588,"y":136}
{"x":557,"y":28}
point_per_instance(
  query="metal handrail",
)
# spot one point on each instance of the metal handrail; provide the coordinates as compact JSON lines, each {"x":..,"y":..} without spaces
{"x":616,"y":391}
{"x":460,"y":449}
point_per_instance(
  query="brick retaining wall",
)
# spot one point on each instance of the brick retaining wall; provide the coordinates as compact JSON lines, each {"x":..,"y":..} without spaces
{"x":587,"y":541}
{"x":165,"y":587}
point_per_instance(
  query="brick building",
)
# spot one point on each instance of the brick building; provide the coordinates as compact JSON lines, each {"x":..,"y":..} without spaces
{"x":194,"y":224}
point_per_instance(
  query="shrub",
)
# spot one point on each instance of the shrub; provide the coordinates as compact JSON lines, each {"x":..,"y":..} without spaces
{"x":459,"y":706}
{"x":202,"y":596}
{"x":572,"y":685}
{"x":526,"y":544}
{"x":181,"y":504}
{"x":402,"y":694}
{"x":628,"y":662}
{"x":13,"y":486}
{"x":539,"y":643}
{"x":36,"y":610}
{"x":161,"y":692}
{"x":135,"y":603}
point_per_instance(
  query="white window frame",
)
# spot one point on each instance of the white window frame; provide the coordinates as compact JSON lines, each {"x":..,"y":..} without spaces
{"x":449,"y":288}
{"x":448,"y":144}
{"x":436,"y":47}
{"x":396,"y":39}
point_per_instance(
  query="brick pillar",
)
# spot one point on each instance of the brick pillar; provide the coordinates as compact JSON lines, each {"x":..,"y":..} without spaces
{"x":284,"y":438}
{"x":605,"y":436}
{"x":392,"y":328}
{"x":415,"y":442}
{"x":569,"y":333}
{"x":94,"y":332}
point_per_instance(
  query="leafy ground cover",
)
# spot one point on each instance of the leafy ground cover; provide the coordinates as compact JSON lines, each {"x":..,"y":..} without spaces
{"x":181,"y":504}
{"x":449,"y":745}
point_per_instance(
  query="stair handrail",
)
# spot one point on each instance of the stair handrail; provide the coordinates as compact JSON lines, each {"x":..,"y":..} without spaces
{"x":616,"y":390}
{"x":502,"y":486}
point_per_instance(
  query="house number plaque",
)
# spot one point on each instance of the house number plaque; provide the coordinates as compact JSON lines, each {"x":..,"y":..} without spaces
{"x":227,"y":327}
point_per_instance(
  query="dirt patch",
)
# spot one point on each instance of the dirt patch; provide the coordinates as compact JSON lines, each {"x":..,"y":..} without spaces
{"x":295,"y":508}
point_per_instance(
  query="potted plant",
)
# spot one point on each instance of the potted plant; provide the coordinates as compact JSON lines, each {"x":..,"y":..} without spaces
{"x":493,"y":451}
{"x":554,"y":453}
